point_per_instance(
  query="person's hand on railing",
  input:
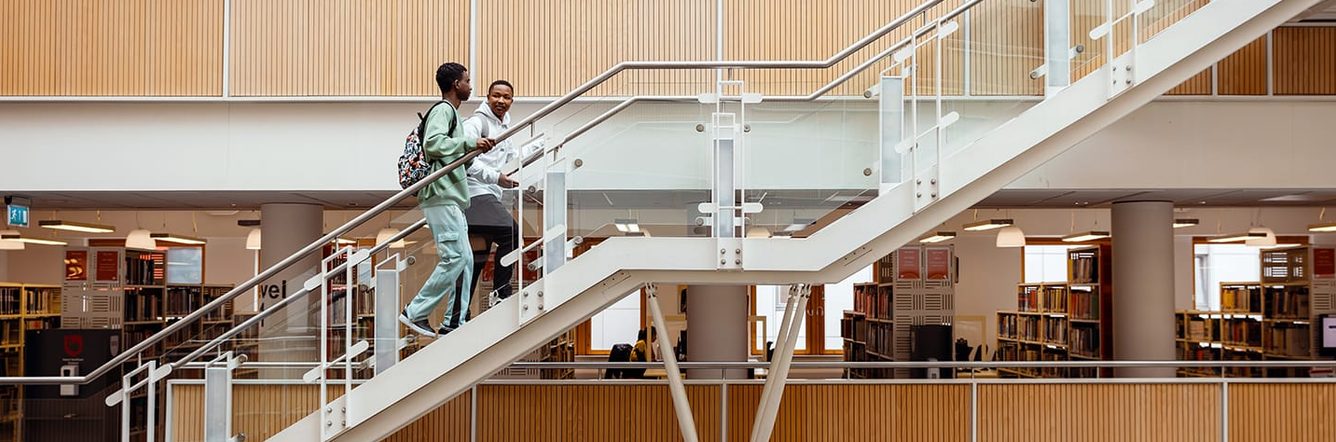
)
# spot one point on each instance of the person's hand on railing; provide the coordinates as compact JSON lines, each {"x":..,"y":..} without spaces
{"x":506,"y":182}
{"x":486,"y":144}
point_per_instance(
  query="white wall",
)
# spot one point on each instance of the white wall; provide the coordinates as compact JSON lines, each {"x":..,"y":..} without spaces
{"x":277,"y":146}
{"x":4,"y":266}
{"x":37,"y":264}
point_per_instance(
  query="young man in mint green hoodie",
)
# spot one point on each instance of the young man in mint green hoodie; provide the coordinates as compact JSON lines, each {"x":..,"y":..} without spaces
{"x":443,"y":203}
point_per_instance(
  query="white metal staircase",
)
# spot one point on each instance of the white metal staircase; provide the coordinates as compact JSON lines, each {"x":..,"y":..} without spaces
{"x":585,"y":286}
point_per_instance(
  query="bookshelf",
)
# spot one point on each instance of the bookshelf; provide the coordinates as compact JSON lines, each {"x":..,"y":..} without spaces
{"x":912,"y":286}
{"x":1262,"y":320}
{"x":23,"y":307}
{"x":1062,"y":321}
{"x":869,"y":329}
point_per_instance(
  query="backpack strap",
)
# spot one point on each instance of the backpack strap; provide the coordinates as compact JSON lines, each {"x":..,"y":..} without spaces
{"x":422,"y":122}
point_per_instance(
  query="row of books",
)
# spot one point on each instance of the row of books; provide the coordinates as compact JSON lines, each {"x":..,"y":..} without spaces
{"x":182,"y":300}
{"x":145,"y":268}
{"x":1241,"y":298}
{"x":1287,"y":302}
{"x":1085,"y":341}
{"x":9,"y":300}
{"x":1084,"y":304}
{"x":1244,"y":332}
{"x":1053,"y":299}
{"x":1199,"y":329}
{"x":1055,"y":331}
{"x":876,"y":302}
{"x":881,"y":338}
{"x":1288,"y":339}
{"x":142,"y":305}
{"x":43,"y":300}
{"x":1027,"y":299}
{"x":854,"y":327}
{"x":1084,"y":267}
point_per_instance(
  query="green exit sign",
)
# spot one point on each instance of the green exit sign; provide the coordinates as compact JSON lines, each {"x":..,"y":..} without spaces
{"x":18,"y":212}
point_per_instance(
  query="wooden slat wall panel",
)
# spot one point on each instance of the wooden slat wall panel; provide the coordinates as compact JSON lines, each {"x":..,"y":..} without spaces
{"x":1199,"y":84}
{"x":1100,"y":412}
{"x":450,"y":422}
{"x":1244,"y":72}
{"x":1282,"y":412}
{"x":1305,"y":61}
{"x":857,"y":412}
{"x":549,"y":48}
{"x":121,"y":48}
{"x":345,"y":47}
{"x":795,"y":30}
{"x":1006,"y":44}
{"x":187,"y":413}
{"x":591,"y":412}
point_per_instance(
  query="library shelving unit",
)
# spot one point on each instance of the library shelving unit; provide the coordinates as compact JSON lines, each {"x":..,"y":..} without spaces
{"x":869,"y":329}
{"x":1269,"y":319}
{"x":23,"y":307}
{"x":1062,"y":321}
{"x":912,"y":286}
{"x":1198,"y":338}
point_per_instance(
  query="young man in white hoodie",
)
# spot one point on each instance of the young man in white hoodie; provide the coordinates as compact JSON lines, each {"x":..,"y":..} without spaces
{"x":490,"y":221}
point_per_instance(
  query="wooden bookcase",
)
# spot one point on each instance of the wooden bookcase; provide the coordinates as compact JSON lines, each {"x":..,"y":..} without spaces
{"x":23,"y":307}
{"x":1269,"y":319}
{"x":914,"y":285}
{"x":1062,"y":321}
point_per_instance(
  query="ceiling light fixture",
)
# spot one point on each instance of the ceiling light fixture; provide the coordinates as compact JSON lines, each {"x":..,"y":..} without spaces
{"x":627,"y":226}
{"x":1268,"y":237}
{"x":10,"y":245}
{"x":1010,"y":237}
{"x":1093,"y":235}
{"x":385,"y":234}
{"x":174,"y":238}
{"x":73,"y":226}
{"x":20,"y":238}
{"x":1236,"y":237}
{"x":254,"y":240}
{"x":1185,"y":222}
{"x":988,"y":224}
{"x":938,"y":237}
{"x":140,"y":239}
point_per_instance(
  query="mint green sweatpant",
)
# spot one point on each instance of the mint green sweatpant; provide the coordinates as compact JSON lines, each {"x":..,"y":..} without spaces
{"x":450,"y":231}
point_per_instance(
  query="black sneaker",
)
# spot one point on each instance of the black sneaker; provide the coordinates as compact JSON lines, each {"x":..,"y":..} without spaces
{"x":421,"y":327}
{"x":444,"y":330}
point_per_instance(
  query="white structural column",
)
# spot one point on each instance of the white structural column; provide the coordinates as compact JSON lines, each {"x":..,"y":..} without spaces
{"x":716,"y":329}
{"x":290,"y":335}
{"x":1143,"y":275}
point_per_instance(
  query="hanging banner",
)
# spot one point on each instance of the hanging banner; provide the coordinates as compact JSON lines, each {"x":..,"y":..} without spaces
{"x":1324,"y":263}
{"x":108,"y":266}
{"x":939,"y":264}
{"x":909,"y":262}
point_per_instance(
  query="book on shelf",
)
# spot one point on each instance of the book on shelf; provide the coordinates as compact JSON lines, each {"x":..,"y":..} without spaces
{"x":1288,"y":339}
{"x":1055,"y":331}
{"x":1084,"y":304}
{"x":1084,"y":266}
{"x":9,"y":300}
{"x":1054,"y":298}
{"x":1245,"y":298}
{"x":1290,"y":302}
{"x":1027,"y":298}
{"x":1085,"y":341}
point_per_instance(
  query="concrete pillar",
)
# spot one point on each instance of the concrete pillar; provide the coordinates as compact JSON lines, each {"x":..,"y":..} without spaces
{"x":1143,"y":282}
{"x":716,"y":329}
{"x":290,"y":335}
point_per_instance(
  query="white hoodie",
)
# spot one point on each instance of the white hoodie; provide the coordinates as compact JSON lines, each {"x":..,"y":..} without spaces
{"x":484,"y":173}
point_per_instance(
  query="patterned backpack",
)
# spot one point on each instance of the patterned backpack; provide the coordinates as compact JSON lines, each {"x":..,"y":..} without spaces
{"x":413,"y":164}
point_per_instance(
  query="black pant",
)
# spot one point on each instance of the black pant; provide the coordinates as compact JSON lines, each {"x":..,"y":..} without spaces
{"x":504,"y":238}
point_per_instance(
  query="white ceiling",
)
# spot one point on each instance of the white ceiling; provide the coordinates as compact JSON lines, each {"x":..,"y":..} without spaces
{"x":1065,"y":198}
{"x":184,"y":200}
{"x":1325,"y":11}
